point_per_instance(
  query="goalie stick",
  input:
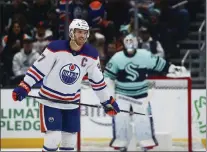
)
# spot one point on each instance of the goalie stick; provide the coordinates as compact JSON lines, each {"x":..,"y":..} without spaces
{"x":80,"y":104}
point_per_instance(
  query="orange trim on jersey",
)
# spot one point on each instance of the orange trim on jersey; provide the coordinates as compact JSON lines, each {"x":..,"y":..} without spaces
{"x":98,"y":85}
{"x":85,"y":77}
{"x":35,"y":73}
{"x":63,"y":51}
{"x":42,"y":124}
{"x":88,"y":56}
{"x":50,"y":50}
{"x":54,"y":96}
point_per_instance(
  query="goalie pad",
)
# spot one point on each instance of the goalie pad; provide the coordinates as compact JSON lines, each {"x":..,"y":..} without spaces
{"x":143,"y":125}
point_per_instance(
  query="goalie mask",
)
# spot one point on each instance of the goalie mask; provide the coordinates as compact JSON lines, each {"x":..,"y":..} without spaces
{"x":130,"y":43}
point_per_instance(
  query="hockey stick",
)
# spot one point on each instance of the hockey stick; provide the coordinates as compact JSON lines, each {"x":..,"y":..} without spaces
{"x":77,"y":103}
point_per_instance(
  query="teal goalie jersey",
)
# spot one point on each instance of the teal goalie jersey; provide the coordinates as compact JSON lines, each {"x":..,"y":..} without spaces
{"x":130,"y":73}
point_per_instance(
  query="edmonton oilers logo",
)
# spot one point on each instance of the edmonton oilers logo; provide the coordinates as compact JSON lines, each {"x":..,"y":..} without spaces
{"x":70,"y":73}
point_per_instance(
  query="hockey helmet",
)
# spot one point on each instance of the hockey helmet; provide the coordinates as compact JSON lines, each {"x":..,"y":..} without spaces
{"x":78,"y":24}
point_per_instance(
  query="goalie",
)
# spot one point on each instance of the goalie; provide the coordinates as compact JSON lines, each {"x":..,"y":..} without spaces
{"x":128,"y":71}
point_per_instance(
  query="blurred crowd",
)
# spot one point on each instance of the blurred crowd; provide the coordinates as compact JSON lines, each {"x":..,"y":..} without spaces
{"x":29,"y":25}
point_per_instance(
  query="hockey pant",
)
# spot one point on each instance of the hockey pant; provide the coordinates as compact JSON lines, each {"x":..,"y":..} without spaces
{"x":60,"y":127}
{"x":144,"y":128}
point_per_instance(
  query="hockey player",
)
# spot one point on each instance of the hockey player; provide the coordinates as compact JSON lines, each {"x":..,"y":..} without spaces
{"x":62,"y":66}
{"x":128,"y":70}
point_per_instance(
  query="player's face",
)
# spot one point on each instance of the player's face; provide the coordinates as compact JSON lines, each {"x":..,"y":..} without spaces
{"x":80,"y":36}
{"x":129,"y":44}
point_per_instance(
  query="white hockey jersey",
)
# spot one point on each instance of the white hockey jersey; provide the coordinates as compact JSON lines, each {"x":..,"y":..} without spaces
{"x":62,"y":71}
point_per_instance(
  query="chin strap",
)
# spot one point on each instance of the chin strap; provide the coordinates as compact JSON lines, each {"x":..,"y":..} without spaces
{"x":74,"y":45}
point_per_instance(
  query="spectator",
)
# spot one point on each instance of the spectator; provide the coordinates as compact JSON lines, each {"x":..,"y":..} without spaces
{"x":23,"y":60}
{"x":148,"y":14}
{"x":173,"y":26}
{"x":102,"y":30}
{"x":76,"y":8}
{"x":98,"y":19}
{"x":98,"y":40}
{"x":14,"y":37}
{"x":146,"y":42}
{"x":26,"y":28}
{"x":12,"y":43}
{"x":17,"y":7}
{"x":96,"y":14}
{"x":42,"y":37}
{"x":124,"y":30}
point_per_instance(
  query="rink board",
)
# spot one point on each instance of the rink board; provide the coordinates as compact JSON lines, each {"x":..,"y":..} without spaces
{"x":20,"y":120}
{"x":38,"y":142}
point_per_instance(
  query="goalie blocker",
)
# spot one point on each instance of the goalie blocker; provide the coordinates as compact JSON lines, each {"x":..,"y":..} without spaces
{"x":125,"y":126}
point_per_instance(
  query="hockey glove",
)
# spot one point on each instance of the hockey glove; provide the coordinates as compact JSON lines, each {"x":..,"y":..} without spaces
{"x":20,"y":92}
{"x":177,"y":71}
{"x":111,"y":107}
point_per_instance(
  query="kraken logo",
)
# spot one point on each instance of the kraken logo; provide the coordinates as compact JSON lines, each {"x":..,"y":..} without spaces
{"x":131,"y":71}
